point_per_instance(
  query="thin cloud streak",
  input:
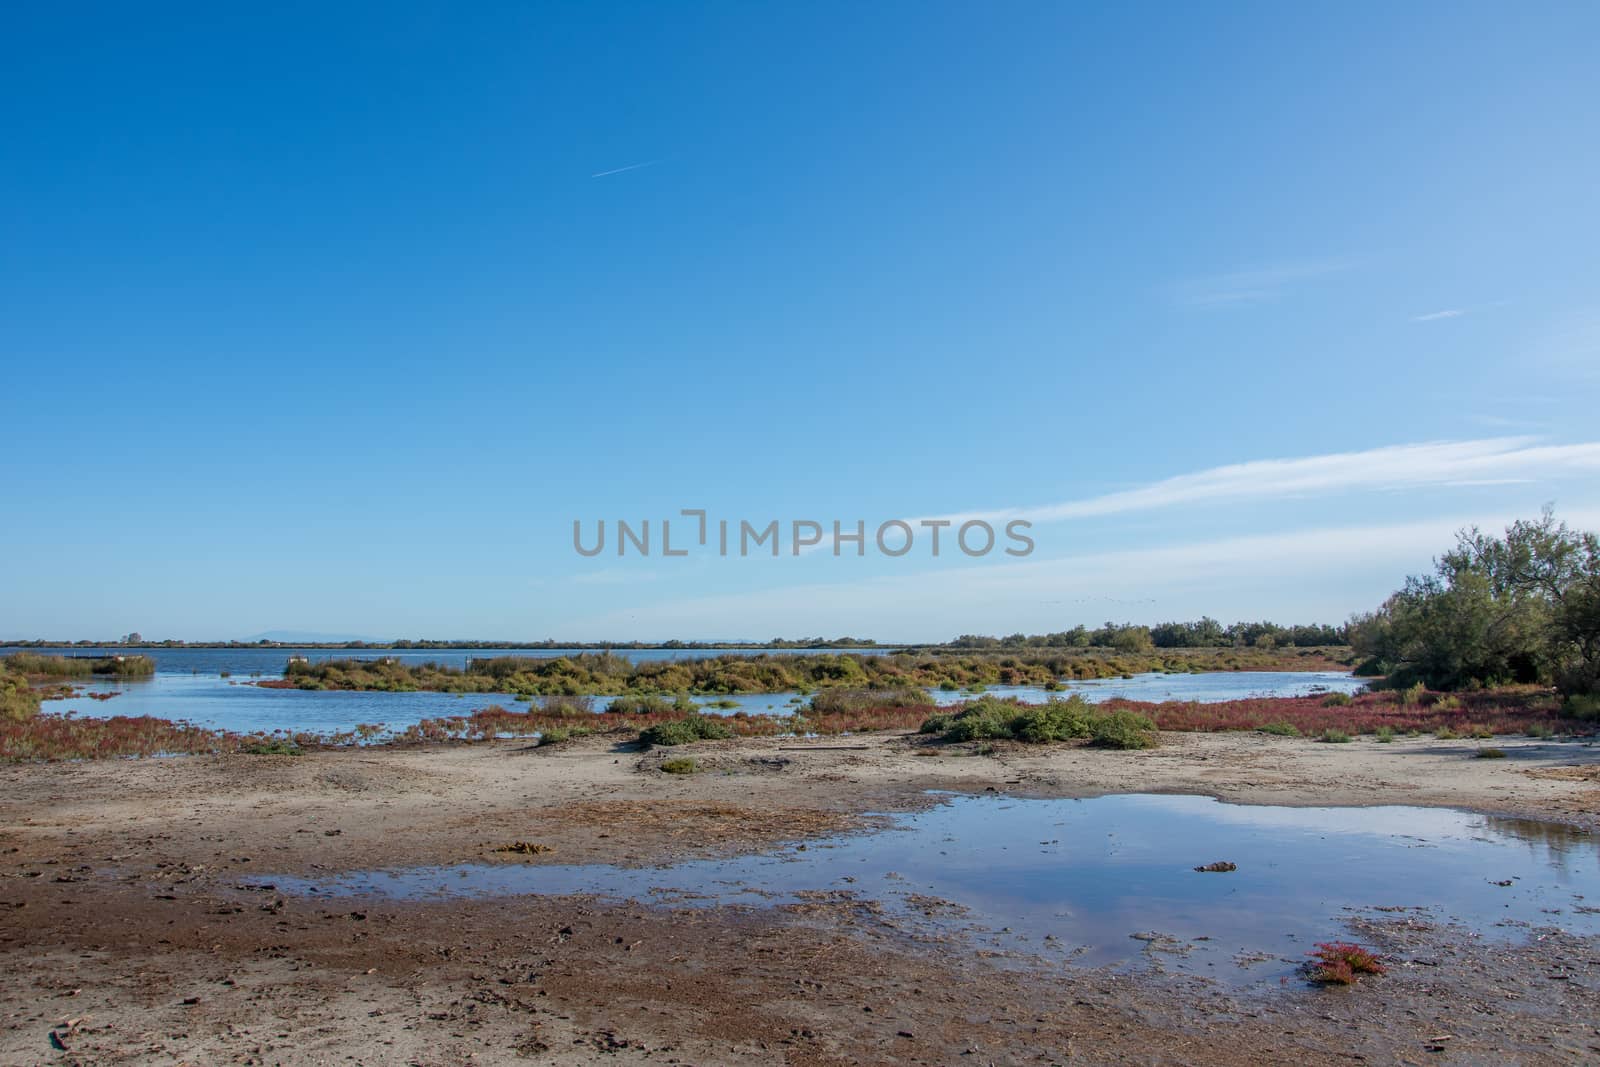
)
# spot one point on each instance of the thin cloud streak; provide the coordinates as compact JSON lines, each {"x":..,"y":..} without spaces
{"x":1251,"y":286}
{"x":1435,"y":316}
{"x":624,"y":170}
{"x":1439,"y":463}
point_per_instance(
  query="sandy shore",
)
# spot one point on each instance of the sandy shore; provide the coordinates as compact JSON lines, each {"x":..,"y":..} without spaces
{"x":135,"y":930}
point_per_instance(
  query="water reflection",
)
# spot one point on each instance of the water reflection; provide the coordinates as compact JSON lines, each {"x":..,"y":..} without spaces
{"x":1079,"y":878}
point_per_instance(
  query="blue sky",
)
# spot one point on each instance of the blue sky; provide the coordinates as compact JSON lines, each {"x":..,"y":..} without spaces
{"x":336,"y":320}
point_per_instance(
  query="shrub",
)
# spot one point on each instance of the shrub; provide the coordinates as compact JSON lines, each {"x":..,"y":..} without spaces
{"x":1444,"y":733}
{"x":1281,"y":729}
{"x":1339,"y":962}
{"x":1122,"y":729}
{"x":1540,"y":730}
{"x":680,"y":765}
{"x":1411,"y":694}
{"x":1337,"y":737}
{"x":1489,"y":753}
{"x":18,"y":701}
{"x":981,"y":720}
{"x":685,"y":731}
{"x":991,"y":718}
{"x":1385,"y":735}
{"x":1059,"y":720}
{"x":1337,"y":700}
{"x":1448,"y":702}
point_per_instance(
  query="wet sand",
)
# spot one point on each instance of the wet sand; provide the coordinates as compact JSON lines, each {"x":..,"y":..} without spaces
{"x":138,"y":923}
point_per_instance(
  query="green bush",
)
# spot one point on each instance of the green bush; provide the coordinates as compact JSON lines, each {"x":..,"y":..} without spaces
{"x":991,"y":718}
{"x":18,"y":701}
{"x":680,"y":765}
{"x":1411,"y":694}
{"x":685,"y":731}
{"x":1385,"y":735}
{"x":1282,"y":729}
{"x":1337,"y":737}
{"x":1489,"y":753}
{"x":1059,"y":720}
{"x":1337,"y":700}
{"x":1122,"y":729}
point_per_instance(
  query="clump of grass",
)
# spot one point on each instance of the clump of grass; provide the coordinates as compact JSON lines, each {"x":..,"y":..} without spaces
{"x":1481,"y":733}
{"x":651,"y":704}
{"x":1335,"y":737}
{"x":573,"y":707}
{"x":1385,"y":735}
{"x":1444,"y":733}
{"x":679,"y":765}
{"x":1337,"y":700}
{"x":841,"y":701}
{"x":1281,"y":729}
{"x":685,"y":731}
{"x":1411,"y":694}
{"x":1540,"y":730}
{"x":558,"y":734}
{"x":1448,"y":702}
{"x":1583,"y":707}
{"x":1339,"y":962}
{"x":1489,"y":753}
{"x":276,"y":746}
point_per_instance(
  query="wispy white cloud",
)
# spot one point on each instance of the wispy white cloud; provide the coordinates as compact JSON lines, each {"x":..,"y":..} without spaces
{"x":1435,"y":316}
{"x":1496,"y":460}
{"x":1254,"y":286}
{"x":624,"y":170}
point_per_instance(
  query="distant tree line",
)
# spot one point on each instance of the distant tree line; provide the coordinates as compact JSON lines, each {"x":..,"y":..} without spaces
{"x":1129,"y":637}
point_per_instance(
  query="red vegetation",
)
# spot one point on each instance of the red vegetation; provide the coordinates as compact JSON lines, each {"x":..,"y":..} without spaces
{"x":1500,"y":711}
{"x":1338,"y":963}
{"x":58,"y":737}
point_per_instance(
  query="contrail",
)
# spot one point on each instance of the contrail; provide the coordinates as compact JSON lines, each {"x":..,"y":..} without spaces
{"x":620,"y":170}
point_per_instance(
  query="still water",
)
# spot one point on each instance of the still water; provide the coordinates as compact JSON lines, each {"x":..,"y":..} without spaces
{"x":269,"y":662}
{"x":234,"y":704}
{"x":1111,"y":880}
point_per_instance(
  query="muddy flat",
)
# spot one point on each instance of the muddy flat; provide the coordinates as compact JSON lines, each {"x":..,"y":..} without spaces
{"x":158,"y":911}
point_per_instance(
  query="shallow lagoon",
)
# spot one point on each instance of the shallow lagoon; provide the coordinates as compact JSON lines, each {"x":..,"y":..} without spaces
{"x":234,"y":704}
{"x":1110,"y":880}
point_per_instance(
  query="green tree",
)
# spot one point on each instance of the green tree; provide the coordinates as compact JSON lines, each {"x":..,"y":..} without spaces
{"x":1520,"y":608}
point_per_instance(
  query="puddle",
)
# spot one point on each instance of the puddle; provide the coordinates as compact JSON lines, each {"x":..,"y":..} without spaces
{"x":1076,"y":880}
